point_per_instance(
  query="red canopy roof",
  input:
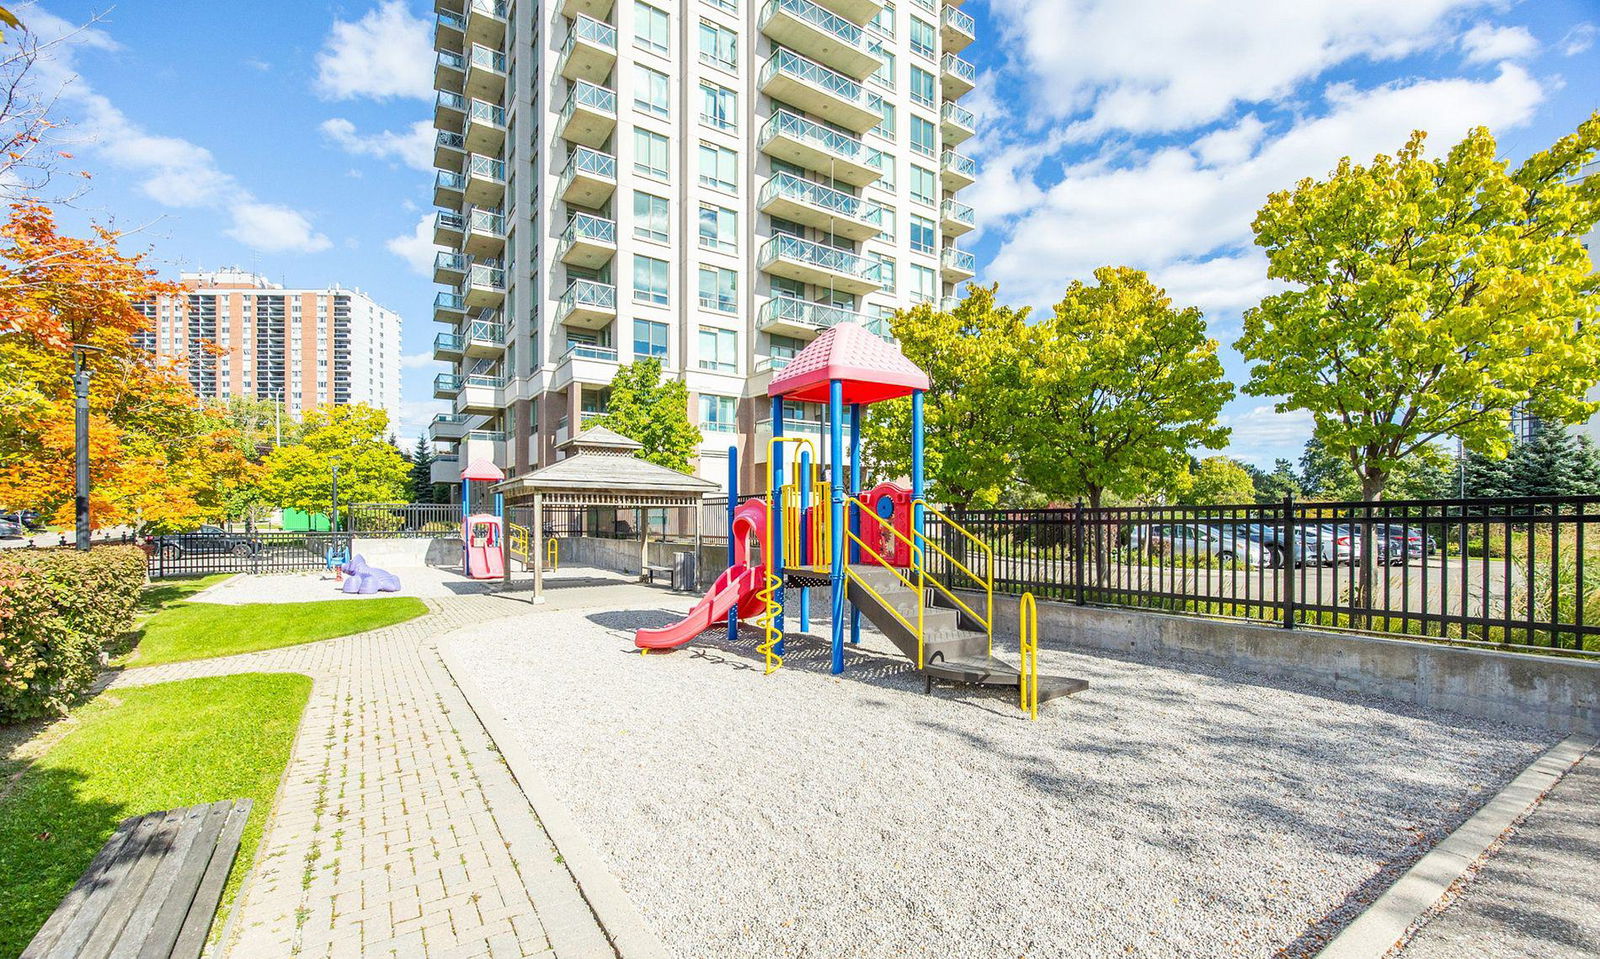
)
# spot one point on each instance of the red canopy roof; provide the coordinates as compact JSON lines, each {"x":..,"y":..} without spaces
{"x":870,"y":368}
{"x":482,"y":469}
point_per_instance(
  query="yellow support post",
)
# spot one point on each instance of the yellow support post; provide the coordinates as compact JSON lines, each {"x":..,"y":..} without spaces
{"x":1028,"y":650}
{"x":552,"y":555}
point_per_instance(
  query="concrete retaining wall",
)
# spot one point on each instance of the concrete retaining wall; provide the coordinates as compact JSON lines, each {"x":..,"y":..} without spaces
{"x":622,"y":555}
{"x":1561,"y":695}
{"x":386,"y":551}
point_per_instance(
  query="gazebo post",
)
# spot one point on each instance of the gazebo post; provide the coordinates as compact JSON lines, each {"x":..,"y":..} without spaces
{"x":836,"y":455}
{"x":536,"y":544}
{"x":855,"y":509}
{"x":699,"y":505}
{"x":505,"y":539}
{"x":644,"y":544}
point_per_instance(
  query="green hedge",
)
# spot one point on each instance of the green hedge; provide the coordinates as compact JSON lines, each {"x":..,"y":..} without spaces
{"x":58,"y":610}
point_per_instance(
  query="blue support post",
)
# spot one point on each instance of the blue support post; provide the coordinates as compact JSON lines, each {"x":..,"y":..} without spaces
{"x":500,"y":504}
{"x":916,"y":465}
{"x":804,"y":482}
{"x":733,"y":506}
{"x":855,"y":509}
{"x":836,"y":480}
{"x":775,"y":518}
{"x":466,"y":510}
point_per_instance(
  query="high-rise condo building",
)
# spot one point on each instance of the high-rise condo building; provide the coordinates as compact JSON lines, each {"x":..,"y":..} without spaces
{"x":240,"y":335}
{"x":709,"y":182}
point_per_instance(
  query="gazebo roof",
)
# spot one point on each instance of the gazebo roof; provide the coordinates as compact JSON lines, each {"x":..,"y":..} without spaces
{"x":605,"y":472}
{"x":599,"y":438}
{"x":869,"y":367}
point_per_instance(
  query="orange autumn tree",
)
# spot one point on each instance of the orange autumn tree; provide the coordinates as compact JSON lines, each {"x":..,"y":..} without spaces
{"x":158,"y":459}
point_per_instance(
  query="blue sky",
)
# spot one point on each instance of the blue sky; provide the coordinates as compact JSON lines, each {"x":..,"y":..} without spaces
{"x":293,"y":137}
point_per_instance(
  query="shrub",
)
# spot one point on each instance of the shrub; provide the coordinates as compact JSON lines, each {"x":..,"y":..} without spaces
{"x":58,"y":610}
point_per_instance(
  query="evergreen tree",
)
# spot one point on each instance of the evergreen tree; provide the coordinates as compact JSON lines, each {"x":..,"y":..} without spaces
{"x":1274,"y":486}
{"x":1488,"y":477}
{"x":421,"y":471}
{"x":1553,"y":462}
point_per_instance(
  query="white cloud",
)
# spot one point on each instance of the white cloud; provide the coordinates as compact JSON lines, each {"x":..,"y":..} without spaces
{"x":417,"y":361}
{"x":1579,"y":39}
{"x":1261,"y":434}
{"x":1487,"y":43}
{"x":1155,"y":65}
{"x":414,"y":148}
{"x":172,"y":171}
{"x":417,"y":247}
{"x":387,"y":53}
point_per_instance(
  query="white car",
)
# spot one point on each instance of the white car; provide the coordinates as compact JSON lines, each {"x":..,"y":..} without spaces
{"x":1196,"y":540}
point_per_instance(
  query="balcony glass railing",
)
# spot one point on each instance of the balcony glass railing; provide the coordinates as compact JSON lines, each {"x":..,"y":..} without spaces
{"x":485,"y":436}
{"x":487,"y":58}
{"x":959,"y":20}
{"x":772,"y":363}
{"x":446,"y":180}
{"x":446,"y":419}
{"x":959,"y":164}
{"x":452,"y":141}
{"x":811,"y":72}
{"x":490,"y":380}
{"x":448,"y":343}
{"x":447,"y":457}
{"x":483,"y":274}
{"x":948,"y":304}
{"x":804,"y":312}
{"x":589,"y":293}
{"x":447,"y":383}
{"x":486,"y":168}
{"x":585,"y":351}
{"x":957,"y":67}
{"x":489,"y":8}
{"x":958,"y":114}
{"x":592,"y":162}
{"x":590,"y":30}
{"x":490,"y":113}
{"x":958,"y":213}
{"x":591,"y":96}
{"x":454,"y":262}
{"x":825,"y":20}
{"x":595,"y":229}
{"x":449,"y":301}
{"x":796,"y":127}
{"x":784,"y":246}
{"x":452,"y":61}
{"x":487,"y":221}
{"x":714,"y":426}
{"x":452,"y":21}
{"x":487,"y":331}
{"x":801,"y":190}
{"x":446,"y":220}
{"x":451,"y":101}
{"x":790,"y":426}
{"x":961,"y":260}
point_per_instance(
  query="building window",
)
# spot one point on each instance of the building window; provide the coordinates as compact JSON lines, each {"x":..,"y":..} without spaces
{"x":923,"y":139}
{"x":649,"y":280}
{"x":649,"y":338}
{"x":921,"y":86}
{"x":732,"y":6}
{"x":886,"y":276}
{"x":883,"y":23}
{"x":884,"y":164}
{"x":649,"y":28}
{"x":923,"y":40}
{"x":719,"y":106}
{"x":784,"y":348}
{"x":718,"y":413}
{"x":921,"y":234}
{"x":719,"y":46}
{"x":884,"y":216}
{"x":719,"y":289}
{"x":651,"y":92}
{"x":650,"y":153}
{"x":924,"y":185}
{"x":719,"y":167}
{"x":884,"y":75}
{"x":719,"y":350}
{"x":649,"y":217}
{"x":885,"y":127}
{"x":923,"y":283}
{"x":718,"y":228}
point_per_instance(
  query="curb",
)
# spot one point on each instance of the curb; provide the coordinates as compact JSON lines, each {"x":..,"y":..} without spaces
{"x":1389,"y":921}
{"x":619,"y":918}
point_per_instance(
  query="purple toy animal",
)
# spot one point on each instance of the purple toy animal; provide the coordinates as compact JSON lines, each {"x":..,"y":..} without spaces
{"x":365,"y":580}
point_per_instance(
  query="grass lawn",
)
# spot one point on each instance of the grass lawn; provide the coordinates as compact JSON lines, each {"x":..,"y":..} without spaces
{"x":181,"y":630}
{"x":134,"y":751}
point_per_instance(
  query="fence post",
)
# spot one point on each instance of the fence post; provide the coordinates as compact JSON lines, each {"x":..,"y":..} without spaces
{"x":1077,"y":551}
{"x":1288,"y":560}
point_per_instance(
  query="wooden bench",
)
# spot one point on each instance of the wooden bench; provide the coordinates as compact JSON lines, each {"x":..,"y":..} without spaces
{"x":152,"y":890}
{"x":651,"y":572}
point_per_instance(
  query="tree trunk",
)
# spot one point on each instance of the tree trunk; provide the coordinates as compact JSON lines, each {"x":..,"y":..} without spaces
{"x":1099,"y":535}
{"x":1372,"y":484}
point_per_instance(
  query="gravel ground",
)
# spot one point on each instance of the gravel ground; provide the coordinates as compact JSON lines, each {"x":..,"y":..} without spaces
{"x":1160,"y":814}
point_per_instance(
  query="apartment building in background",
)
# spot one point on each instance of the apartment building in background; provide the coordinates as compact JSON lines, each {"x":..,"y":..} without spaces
{"x":709,"y":182}
{"x":239,"y":334}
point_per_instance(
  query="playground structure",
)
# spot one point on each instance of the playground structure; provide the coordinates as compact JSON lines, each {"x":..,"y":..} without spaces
{"x":482,"y":552}
{"x":870,"y":549}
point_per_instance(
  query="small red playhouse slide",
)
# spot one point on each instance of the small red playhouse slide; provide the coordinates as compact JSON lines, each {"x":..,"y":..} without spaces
{"x":737,"y":587}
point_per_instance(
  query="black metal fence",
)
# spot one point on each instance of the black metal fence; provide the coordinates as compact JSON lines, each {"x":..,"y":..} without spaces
{"x":1511,"y":573}
{"x":414,"y":520}
{"x":265,"y":552}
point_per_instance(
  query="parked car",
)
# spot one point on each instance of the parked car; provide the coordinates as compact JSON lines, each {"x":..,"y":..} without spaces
{"x":1416,"y":545}
{"x":1310,"y":549}
{"x":1199,"y":541}
{"x":10,"y":529}
{"x":205,"y":541}
{"x":1342,"y":543}
{"x":26,"y":519}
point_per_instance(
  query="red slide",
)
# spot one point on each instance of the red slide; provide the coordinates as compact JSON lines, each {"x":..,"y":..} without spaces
{"x":736,"y":588}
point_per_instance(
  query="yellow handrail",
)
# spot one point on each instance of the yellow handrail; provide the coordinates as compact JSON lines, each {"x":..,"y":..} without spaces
{"x":987,"y":582}
{"x":771,"y":608}
{"x":552,"y":555}
{"x":916,"y":563}
{"x":518,"y":542}
{"x":919,"y":557}
{"x":1028,"y":650}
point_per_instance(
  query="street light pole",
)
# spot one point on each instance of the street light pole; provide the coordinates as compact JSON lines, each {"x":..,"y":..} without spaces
{"x":81,"y":376}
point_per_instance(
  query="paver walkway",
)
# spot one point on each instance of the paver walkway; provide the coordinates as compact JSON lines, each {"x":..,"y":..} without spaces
{"x":1537,"y":894}
{"x":398,"y":831}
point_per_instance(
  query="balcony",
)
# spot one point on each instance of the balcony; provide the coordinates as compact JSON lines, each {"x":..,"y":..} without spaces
{"x":450,"y":34}
{"x":957,"y":265}
{"x":481,"y":393}
{"x":449,"y":110}
{"x":589,"y":116}
{"x":796,"y":198}
{"x":486,"y":286}
{"x":820,"y":34}
{"x":856,"y":11}
{"x":448,"y":307}
{"x":446,"y":468}
{"x":486,"y":22}
{"x":486,"y":127}
{"x":948,"y":304}
{"x":583,"y":363}
{"x":589,"y":179}
{"x":449,"y":71}
{"x":448,"y":189}
{"x":587,"y":305}
{"x":486,"y":181}
{"x":449,"y":151}
{"x":446,"y":386}
{"x":447,"y":347}
{"x":448,"y":229}
{"x":450,"y":268}
{"x":957,"y":29}
{"x":589,"y":241}
{"x":599,"y":9}
{"x":447,"y":427}
{"x":486,"y":233}
{"x":957,"y":171}
{"x":484,"y":445}
{"x":486,"y":74}
{"x":794,"y":317}
{"x":956,"y":76}
{"x":956,"y":218}
{"x":484,"y":337}
{"x":808,"y":262}
{"x":789,"y":136}
{"x":956,"y":123}
{"x":812,"y":87}
{"x":590,"y":51}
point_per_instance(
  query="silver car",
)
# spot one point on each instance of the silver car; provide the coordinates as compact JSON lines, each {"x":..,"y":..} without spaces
{"x":1200,"y":541}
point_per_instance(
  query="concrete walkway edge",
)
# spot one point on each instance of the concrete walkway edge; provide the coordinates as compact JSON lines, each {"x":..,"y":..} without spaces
{"x":1386,"y":923}
{"x":630,"y":935}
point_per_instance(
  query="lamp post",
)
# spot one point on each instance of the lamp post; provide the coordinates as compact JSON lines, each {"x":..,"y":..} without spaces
{"x":81,"y":376}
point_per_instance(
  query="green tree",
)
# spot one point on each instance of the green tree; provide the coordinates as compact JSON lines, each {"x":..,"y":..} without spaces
{"x":1217,"y":481}
{"x":1554,"y":462}
{"x":655,"y":412}
{"x":1324,"y":476}
{"x":1115,"y":387}
{"x":1274,"y":486}
{"x":422,"y":471}
{"x":371,"y":470}
{"x":970,"y":355}
{"x":261,"y":425}
{"x":1429,"y":298}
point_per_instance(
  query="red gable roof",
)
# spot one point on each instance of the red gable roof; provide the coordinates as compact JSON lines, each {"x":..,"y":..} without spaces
{"x":870,"y":368}
{"x":482,"y":469}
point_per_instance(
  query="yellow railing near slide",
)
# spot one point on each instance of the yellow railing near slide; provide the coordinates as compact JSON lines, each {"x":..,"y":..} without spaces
{"x":1028,"y":651}
{"x":518,"y":537}
{"x":552,"y":555}
{"x":917,"y":566}
{"x":984,"y":581}
{"x":771,"y":609}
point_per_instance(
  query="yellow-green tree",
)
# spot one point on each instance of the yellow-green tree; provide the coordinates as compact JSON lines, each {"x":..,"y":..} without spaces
{"x":371,"y":469}
{"x":970,"y":355}
{"x":655,"y":412}
{"x":1216,"y":481}
{"x":1428,"y":298}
